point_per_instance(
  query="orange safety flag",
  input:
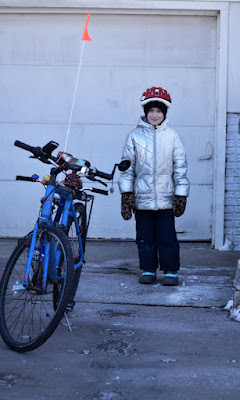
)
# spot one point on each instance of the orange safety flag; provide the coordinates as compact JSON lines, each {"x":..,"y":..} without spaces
{"x":85,"y":35}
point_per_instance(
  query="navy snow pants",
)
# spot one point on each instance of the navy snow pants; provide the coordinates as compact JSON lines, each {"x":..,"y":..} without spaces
{"x":157,"y":240}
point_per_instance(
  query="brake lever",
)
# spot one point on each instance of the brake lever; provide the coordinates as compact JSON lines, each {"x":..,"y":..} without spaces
{"x":40,"y":155}
{"x":92,"y":178}
{"x":103,"y":183}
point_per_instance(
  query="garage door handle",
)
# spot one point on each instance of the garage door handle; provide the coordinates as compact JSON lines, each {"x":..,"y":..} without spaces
{"x":208,"y":151}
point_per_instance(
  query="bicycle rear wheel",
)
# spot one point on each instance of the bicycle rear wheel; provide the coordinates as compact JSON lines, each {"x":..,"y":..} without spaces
{"x":28,"y":316}
{"x":80,"y":210}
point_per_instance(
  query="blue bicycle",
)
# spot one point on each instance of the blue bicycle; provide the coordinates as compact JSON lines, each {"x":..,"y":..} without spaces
{"x":40,"y":280}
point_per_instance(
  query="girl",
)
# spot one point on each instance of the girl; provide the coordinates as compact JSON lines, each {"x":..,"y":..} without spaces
{"x":155,"y":187}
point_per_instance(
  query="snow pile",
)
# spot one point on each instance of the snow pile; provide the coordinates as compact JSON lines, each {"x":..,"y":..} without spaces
{"x":229,"y":305}
{"x":234,"y":305}
{"x":228,"y":245}
{"x":234,"y":312}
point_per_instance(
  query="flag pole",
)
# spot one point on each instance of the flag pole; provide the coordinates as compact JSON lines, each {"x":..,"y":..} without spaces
{"x":74,"y":96}
{"x":85,"y":37}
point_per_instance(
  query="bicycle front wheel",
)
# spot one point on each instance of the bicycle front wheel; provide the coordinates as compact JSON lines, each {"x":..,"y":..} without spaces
{"x":29,"y":315}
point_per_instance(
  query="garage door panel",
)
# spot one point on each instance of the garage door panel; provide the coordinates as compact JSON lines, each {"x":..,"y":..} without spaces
{"x":154,"y":40}
{"x":56,"y":39}
{"x":199,"y":145}
{"x":199,"y":204}
{"x":45,"y":94}
{"x":41,"y":39}
{"x":168,"y":49}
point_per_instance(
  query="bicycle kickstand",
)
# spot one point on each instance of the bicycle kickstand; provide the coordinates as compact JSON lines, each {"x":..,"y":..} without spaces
{"x":67,"y":321}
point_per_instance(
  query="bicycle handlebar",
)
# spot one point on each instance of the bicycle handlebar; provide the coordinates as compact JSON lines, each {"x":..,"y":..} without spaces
{"x":44,"y":155}
{"x":37,"y":152}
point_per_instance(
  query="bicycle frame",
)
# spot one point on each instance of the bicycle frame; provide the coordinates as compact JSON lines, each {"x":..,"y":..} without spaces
{"x":65,"y":209}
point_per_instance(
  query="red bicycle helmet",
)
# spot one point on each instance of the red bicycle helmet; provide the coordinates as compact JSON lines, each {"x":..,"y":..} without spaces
{"x":156,"y":94}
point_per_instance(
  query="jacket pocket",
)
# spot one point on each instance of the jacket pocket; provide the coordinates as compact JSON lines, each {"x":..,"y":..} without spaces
{"x":165,"y":184}
{"x":143,"y":186}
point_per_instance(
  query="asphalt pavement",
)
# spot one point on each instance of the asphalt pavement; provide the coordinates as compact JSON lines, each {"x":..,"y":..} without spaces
{"x":132,"y":341}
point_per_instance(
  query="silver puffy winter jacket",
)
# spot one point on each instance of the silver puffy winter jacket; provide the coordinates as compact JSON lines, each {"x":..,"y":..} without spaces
{"x":158,"y":166}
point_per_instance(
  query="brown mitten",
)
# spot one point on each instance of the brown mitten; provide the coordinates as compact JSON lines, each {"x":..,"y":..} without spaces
{"x":179,"y":205}
{"x":127,"y":205}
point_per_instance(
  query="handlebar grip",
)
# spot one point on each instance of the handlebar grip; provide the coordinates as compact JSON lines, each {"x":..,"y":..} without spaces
{"x":95,"y":190}
{"x":103,"y":175}
{"x":25,"y":146}
{"x":25,"y":178}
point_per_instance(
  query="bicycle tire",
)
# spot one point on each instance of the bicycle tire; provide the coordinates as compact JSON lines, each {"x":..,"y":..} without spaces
{"x":80,"y":210}
{"x":28,"y":317}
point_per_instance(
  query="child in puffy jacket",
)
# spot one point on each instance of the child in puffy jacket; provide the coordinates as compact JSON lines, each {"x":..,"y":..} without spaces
{"x":155,"y":187}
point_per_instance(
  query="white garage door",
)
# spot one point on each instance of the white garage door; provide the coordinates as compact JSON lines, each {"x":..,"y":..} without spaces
{"x":38,"y":67}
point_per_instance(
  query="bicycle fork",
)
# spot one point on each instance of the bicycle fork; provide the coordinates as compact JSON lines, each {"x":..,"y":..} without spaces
{"x":45,"y":247}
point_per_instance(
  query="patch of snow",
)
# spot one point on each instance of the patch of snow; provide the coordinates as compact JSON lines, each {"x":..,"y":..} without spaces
{"x":229,"y":305}
{"x":228,"y":245}
{"x":235,"y":314}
